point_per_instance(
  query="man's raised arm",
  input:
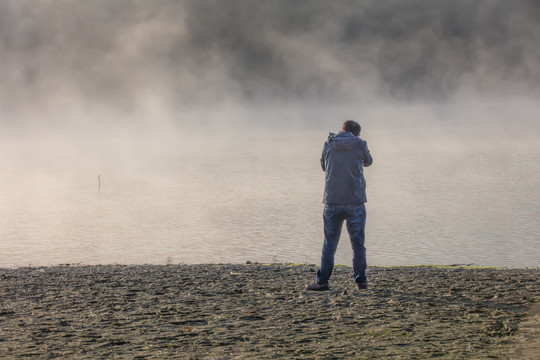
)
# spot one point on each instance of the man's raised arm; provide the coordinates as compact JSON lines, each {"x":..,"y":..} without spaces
{"x":368,"y":160}
{"x":323,"y":166}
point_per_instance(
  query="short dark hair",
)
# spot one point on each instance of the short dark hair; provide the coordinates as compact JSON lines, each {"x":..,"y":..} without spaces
{"x":352,"y":126}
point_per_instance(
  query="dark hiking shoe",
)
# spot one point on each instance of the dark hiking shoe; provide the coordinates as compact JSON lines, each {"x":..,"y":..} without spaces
{"x":361,"y":285}
{"x":317,"y":287}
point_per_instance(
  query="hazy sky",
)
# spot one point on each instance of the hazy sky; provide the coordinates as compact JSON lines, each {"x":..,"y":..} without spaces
{"x":126,"y":56}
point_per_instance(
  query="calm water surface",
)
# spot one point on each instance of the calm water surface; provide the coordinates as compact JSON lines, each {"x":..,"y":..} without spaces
{"x":432,"y":200}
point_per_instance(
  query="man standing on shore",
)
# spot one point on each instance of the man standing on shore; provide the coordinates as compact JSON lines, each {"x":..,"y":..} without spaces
{"x":343,"y":160}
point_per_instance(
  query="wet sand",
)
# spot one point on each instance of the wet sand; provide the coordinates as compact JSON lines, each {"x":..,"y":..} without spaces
{"x":257,"y":311}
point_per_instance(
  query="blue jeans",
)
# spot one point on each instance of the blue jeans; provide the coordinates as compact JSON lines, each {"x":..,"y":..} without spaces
{"x":334,"y":216}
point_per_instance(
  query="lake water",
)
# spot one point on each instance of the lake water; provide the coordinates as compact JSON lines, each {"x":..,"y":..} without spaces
{"x":432,"y":199}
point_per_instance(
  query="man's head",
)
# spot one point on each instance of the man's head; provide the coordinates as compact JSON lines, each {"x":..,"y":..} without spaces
{"x":352,"y":126}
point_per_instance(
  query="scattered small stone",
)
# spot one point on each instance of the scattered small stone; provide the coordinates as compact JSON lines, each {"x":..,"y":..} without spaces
{"x":232,"y":311}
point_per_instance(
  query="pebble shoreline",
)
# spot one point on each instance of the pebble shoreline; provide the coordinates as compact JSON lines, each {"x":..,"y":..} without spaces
{"x":262,"y":311}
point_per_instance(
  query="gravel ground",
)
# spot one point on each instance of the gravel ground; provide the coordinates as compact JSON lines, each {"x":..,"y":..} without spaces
{"x":257,"y":311}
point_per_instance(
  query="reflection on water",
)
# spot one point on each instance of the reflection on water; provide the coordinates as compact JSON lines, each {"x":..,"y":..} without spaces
{"x":259,"y":199}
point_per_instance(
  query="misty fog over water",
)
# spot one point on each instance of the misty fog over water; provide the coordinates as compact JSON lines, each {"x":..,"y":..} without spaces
{"x":206,"y":119}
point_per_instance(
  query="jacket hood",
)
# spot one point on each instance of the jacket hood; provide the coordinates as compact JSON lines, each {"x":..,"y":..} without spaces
{"x":343,"y":141}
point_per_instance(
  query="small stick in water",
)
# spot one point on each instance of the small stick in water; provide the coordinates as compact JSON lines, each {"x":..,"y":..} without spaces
{"x":99,"y":183}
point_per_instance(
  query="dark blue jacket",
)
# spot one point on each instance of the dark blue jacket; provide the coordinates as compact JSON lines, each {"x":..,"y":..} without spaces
{"x":343,"y":159}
